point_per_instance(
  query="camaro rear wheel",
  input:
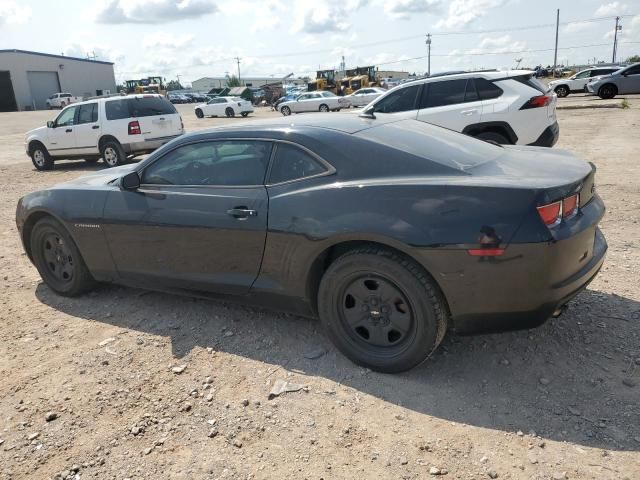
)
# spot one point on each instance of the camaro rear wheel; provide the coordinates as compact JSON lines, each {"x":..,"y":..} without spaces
{"x":113,"y":154}
{"x":58,"y":260}
{"x":381,"y":310}
{"x":40,"y":157}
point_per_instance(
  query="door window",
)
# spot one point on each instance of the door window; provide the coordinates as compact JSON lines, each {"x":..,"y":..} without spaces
{"x":445,"y":92}
{"x":486,"y":89}
{"x":635,"y":70}
{"x":585,"y":74}
{"x":401,"y":100}
{"x":291,"y":163}
{"x":66,"y":117}
{"x":117,"y":109}
{"x":223,"y":163}
{"x":88,"y":113}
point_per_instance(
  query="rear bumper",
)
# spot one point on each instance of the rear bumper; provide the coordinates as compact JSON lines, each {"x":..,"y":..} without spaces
{"x":549,"y":136}
{"x":148,"y":145}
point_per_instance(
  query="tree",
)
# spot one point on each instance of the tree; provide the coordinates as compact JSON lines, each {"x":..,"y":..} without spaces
{"x":174,"y":85}
{"x":633,"y":59}
{"x":233,"y":81}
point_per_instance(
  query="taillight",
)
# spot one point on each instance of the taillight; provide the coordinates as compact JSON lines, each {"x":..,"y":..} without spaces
{"x":570,"y":205}
{"x":134,"y":128}
{"x":536,"y":102}
{"x":551,"y":214}
{"x":485,"y":252}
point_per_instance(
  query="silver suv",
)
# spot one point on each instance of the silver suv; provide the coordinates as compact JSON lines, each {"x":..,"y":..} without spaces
{"x":625,"y":80}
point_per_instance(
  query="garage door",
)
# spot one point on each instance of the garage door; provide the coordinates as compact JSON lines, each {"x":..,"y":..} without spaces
{"x":7,"y":97}
{"x":42,"y":85}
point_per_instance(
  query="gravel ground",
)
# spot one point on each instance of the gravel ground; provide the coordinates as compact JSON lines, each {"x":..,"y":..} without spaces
{"x":125,"y":383}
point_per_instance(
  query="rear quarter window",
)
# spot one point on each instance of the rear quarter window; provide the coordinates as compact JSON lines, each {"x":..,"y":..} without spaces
{"x":150,"y":106}
{"x":116,"y":109}
{"x":486,"y":89}
{"x":532,"y":82}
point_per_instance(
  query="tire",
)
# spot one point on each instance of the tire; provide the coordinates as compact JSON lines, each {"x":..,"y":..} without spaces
{"x":323,"y":108}
{"x":40,"y":157}
{"x":367,"y":287}
{"x":562,"y":91}
{"x":244,"y":114}
{"x":58,"y":259}
{"x":493,"y":137}
{"x":112,"y":153}
{"x":286,"y":111}
{"x":199,"y":113}
{"x":607,"y":91}
{"x":229,"y":112}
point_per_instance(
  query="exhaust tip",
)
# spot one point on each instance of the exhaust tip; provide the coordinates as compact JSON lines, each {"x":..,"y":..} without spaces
{"x":559,"y":311}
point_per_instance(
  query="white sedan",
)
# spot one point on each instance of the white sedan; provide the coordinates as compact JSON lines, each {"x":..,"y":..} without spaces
{"x":364,"y":96}
{"x":313,"y":102}
{"x":221,"y":106}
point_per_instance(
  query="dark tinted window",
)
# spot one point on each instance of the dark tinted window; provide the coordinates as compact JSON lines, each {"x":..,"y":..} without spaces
{"x":228,"y":163}
{"x":446,"y":92}
{"x":604,"y":71}
{"x":486,"y":89}
{"x":117,"y":109}
{"x":150,"y":106}
{"x":471,"y":94}
{"x":635,"y":70}
{"x":532,"y":82}
{"x":291,"y":163}
{"x":400,"y":100}
{"x":88,"y":113}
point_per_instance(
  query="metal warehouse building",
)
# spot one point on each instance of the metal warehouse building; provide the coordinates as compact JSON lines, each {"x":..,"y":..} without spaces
{"x":28,"y":78}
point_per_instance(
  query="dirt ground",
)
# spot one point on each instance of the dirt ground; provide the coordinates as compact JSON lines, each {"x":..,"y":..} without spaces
{"x":560,"y":401}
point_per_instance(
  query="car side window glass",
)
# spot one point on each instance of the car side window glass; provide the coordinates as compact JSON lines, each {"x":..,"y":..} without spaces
{"x":88,"y":113}
{"x":292,"y":163}
{"x":401,"y":100}
{"x":633,"y":70}
{"x":66,"y":117}
{"x":486,"y":89}
{"x":586,"y":74}
{"x":223,"y":163}
{"x":470,"y":93}
{"x":117,"y":109}
{"x":445,"y":92}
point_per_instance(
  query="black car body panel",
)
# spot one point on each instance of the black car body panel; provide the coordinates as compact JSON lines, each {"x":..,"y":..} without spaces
{"x":427,"y":192}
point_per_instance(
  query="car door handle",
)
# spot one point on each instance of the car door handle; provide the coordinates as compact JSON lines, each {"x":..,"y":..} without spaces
{"x":69,"y":130}
{"x":469,"y":112}
{"x":242,"y":213}
{"x":95,"y":127}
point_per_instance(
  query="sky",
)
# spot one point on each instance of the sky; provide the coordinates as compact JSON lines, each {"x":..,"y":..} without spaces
{"x":196,"y":38}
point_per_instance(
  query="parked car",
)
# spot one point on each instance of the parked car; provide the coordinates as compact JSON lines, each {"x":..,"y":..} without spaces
{"x":177,"y":98}
{"x":578,"y":82}
{"x":623,"y":81}
{"x":61,"y":100}
{"x":364,"y":96}
{"x":313,"y":102}
{"x":111,"y":128}
{"x":286,"y":98}
{"x":506,"y":107}
{"x":390,"y":231}
{"x":224,"y":106}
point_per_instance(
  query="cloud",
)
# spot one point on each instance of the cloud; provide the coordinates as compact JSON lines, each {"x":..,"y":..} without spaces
{"x":576,"y":27}
{"x":101,"y":52}
{"x":504,"y":43}
{"x":404,"y":9}
{"x":167,"y":40}
{"x":12,"y":13}
{"x":321,"y":16}
{"x":463,"y":12}
{"x":153,"y":11}
{"x":610,"y":9}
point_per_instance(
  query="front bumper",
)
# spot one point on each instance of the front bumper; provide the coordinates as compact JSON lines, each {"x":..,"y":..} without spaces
{"x":591,"y":88}
{"x":549,"y":136}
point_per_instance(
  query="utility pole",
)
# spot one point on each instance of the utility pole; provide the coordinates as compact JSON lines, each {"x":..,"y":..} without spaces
{"x":615,"y":39}
{"x":555,"y":54}
{"x":238,"y":61}
{"x":428,"y":54}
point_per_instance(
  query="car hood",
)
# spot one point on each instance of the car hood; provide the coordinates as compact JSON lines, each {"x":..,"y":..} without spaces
{"x":36,"y":131}
{"x":99,"y":178}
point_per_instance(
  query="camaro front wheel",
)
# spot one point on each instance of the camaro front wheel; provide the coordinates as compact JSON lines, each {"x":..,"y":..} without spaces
{"x":381,"y":310}
{"x":58,"y":260}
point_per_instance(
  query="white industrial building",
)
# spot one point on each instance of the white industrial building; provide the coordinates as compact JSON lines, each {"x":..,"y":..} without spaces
{"x":27,"y":79}
{"x":205,"y":84}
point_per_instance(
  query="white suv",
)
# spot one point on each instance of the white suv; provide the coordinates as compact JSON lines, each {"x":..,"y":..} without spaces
{"x":113,"y":128}
{"x":508,"y":107}
{"x":578,"y":82}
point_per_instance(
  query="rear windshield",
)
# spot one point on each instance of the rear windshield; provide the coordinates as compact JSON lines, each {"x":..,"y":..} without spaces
{"x":138,"y":107}
{"x":532,"y":82}
{"x":440,"y":145}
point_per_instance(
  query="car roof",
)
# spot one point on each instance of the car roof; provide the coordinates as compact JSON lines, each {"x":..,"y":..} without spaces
{"x":488,"y":74}
{"x":116,"y":97}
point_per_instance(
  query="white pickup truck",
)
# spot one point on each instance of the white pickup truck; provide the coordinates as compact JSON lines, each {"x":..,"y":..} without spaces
{"x":61,"y":100}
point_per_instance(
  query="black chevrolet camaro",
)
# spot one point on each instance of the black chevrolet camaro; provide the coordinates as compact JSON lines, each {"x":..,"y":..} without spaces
{"x":390,"y":231}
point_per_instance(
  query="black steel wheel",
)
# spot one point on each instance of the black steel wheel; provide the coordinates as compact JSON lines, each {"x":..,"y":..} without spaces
{"x":381,"y":309}
{"x":57,"y":258}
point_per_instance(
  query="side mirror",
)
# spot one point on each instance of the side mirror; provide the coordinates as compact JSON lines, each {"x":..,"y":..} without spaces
{"x":131,"y":181}
{"x":51,"y":124}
